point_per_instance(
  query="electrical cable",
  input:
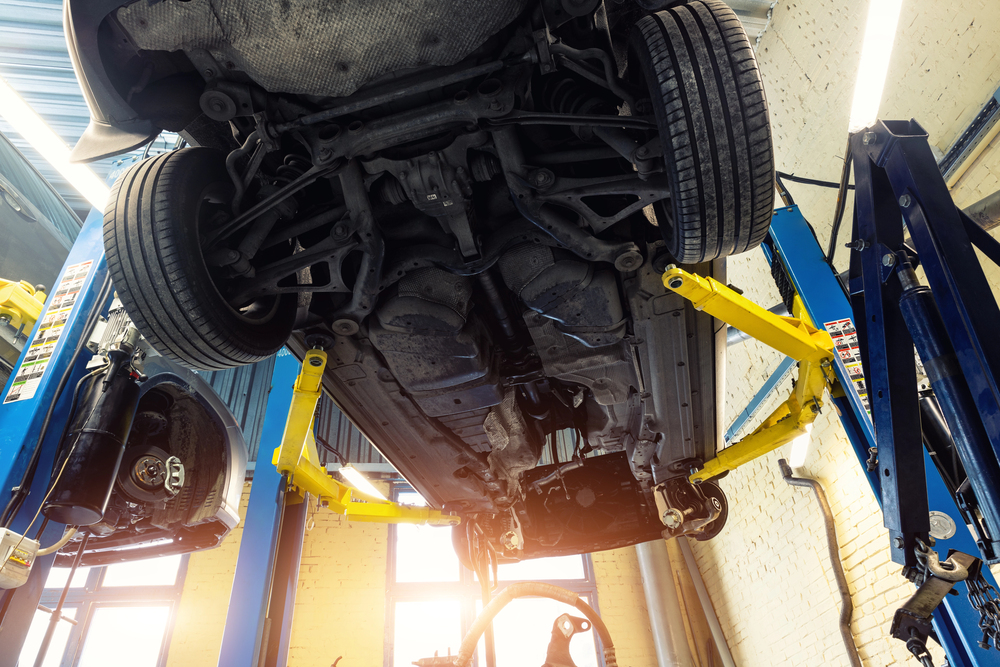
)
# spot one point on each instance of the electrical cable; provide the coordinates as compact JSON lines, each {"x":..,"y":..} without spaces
{"x":21,"y":491}
{"x":67,"y":536}
{"x":52,"y":486}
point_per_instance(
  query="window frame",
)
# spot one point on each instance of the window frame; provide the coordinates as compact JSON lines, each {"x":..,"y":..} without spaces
{"x":93,"y":595}
{"x":466,"y":590}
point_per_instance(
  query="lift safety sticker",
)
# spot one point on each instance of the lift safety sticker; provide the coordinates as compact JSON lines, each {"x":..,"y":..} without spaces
{"x":29,"y":376}
{"x":845,"y":341}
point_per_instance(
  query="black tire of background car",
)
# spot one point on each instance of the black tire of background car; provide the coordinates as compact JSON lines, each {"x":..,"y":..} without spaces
{"x":708,"y":98}
{"x":152,"y":244}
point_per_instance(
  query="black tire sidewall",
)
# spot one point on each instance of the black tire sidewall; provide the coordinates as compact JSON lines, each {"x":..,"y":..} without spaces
{"x":170,"y":294}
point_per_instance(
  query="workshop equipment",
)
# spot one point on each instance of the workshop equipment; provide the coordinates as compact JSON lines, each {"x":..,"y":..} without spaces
{"x":873,"y":377}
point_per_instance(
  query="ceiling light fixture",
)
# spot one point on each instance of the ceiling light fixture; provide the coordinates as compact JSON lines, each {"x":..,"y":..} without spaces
{"x":880,"y":34}
{"x":40,"y":136}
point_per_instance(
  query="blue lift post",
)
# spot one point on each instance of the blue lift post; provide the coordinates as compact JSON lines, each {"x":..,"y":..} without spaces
{"x":956,"y":622}
{"x":22,"y":422}
{"x":268,"y":524}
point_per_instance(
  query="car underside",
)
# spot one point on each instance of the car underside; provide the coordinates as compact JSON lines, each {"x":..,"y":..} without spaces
{"x":469,"y":206}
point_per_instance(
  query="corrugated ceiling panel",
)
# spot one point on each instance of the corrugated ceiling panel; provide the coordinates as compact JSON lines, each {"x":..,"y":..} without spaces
{"x":335,"y":430}
{"x":35,"y":61}
{"x":245,"y":390}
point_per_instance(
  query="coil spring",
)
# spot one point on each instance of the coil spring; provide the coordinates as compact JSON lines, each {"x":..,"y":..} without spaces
{"x":291,"y":168}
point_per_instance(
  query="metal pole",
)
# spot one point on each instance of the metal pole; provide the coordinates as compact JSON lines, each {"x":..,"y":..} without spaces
{"x":706,"y":604}
{"x":57,"y":612}
{"x":665,"y":619}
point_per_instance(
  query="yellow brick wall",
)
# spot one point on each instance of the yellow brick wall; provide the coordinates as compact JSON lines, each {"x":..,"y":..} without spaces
{"x":768,"y":573}
{"x":623,"y":606}
{"x":340,"y":602}
{"x":201,"y":616}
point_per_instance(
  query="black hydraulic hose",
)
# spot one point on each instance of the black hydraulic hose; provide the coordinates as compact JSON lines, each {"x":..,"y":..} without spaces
{"x":21,"y":491}
{"x":847,"y":602}
{"x":809,"y":181}
{"x":57,"y":611}
{"x":838,"y":214}
{"x":535,"y":589}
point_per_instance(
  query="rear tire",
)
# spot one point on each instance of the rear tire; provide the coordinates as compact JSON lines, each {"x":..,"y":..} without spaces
{"x":151,"y":239}
{"x":702,"y":77}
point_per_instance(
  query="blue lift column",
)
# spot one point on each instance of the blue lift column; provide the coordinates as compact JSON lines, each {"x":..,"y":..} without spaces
{"x":30,"y":398}
{"x":267,"y":524}
{"x":956,"y":622}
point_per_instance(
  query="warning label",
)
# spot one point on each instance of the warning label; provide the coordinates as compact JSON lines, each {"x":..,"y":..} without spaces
{"x":845,"y":342}
{"x":29,"y":375}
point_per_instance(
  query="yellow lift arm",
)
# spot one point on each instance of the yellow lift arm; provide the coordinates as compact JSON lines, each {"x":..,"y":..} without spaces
{"x":20,"y":304}
{"x":794,"y":336}
{"x":298,"y":458}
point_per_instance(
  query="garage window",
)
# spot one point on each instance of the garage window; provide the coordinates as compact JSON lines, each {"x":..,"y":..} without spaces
{"x":123,"y":615}
{"x":432,"y":600}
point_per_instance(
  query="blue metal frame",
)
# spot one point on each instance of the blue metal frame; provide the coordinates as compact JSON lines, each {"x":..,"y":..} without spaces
{"x":956,"y":623}
{"x":22,"y":421}
{"x":779,"y":374}
{"x":255,"y":566}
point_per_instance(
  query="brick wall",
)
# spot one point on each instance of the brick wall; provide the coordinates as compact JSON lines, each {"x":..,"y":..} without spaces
{"x":767,"y":573}
{"x":623,"y":606}
{"x":201,"y":616}
{"x":340,"y":602}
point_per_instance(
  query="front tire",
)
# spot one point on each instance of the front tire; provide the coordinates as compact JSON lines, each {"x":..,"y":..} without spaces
{"x":706,"y":92}
{"x":151,"y":239}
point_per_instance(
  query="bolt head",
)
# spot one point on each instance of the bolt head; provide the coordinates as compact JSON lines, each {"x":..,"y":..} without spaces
{"x":898,"y":542}
{"x":868,"y":138}
{"x":905,"y":201}
{"x":888,"y":259}
{"x":642,"y":152}
{"x":542,"y":177}
{"x":672,"y":519}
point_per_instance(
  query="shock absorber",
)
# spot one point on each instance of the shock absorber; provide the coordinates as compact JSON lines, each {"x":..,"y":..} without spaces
{"x":931,"y":339}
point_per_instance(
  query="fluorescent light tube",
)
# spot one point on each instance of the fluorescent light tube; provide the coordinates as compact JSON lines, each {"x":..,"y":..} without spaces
{"x":880,"y":33}
{"x":41,"y":137}
{"x":359,"y":482}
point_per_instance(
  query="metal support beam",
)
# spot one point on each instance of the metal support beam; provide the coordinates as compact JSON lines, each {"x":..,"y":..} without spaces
{"x":956,"y":622}
{"x":248,"y":604}
{"x":665,"y":618}
{"x":285,"y":583}
{"x":706,"y":604}
{"x":22,"y":419}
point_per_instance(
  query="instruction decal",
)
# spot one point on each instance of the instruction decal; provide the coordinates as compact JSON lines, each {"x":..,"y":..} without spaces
{"x":29,"y":375}
{"x":845,"y":342}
